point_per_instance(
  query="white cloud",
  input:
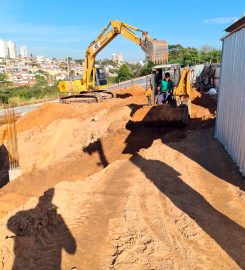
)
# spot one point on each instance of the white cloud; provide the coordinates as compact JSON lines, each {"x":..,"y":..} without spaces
{"x":221,"y":20}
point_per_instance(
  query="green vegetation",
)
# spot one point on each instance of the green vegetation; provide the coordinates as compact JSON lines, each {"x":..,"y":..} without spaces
{"x":147,"y":68}
{"x":124,"y":73}
{"x":15,"y":96}
{"x":111,"y":80}
{"x":3,"y":77}
{"x":191,"y":56}
{"x":177,"y":54}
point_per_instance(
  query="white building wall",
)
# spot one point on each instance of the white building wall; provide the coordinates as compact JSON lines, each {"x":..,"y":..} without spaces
{"x":3,"y":49}
{"x":12,"y":49}
{"x":230,"y":124}
{"x":120,"y":58}
{"x":23,"y":51}
{"x":114,"y":57}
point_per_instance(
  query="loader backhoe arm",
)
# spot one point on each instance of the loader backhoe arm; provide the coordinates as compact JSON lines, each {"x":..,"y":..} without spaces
{"x":156,"y":50}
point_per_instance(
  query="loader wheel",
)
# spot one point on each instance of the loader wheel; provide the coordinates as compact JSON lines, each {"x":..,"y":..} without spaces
{"x":187,"y":102}
{"x":185,"y":118}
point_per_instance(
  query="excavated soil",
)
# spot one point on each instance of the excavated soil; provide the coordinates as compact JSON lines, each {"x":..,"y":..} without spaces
{"x":99,"y":192}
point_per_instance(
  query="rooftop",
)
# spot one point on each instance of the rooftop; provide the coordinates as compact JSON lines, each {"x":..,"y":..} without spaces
{"x":236,"y":25}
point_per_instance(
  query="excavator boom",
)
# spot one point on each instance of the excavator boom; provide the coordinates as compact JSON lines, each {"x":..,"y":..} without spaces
{"x":93,"y":78}
{"x":156,"y":50}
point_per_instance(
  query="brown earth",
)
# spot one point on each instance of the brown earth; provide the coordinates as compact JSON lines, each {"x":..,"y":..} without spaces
{"x":97,"y":192}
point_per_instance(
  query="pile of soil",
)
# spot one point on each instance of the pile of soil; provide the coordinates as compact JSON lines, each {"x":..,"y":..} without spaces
{"x":96,"y":194}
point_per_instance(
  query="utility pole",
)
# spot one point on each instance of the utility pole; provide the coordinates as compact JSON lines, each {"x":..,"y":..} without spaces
{"x":68,"y":69}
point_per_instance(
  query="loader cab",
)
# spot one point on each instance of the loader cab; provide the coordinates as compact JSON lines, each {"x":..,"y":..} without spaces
{"x":99,"y":78}
{"x":159,"y":71}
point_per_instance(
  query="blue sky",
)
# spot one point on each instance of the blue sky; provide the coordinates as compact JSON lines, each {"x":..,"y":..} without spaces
{"x":60,"y":28}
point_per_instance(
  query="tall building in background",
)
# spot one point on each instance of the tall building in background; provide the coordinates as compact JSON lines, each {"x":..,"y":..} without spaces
{"x":11,"y":49}
{"x":114,"y":57}
{"x":3,"y":49}
{"x":120,"y":58}
{"x":117,"y":57}
{"x":23,"y":51}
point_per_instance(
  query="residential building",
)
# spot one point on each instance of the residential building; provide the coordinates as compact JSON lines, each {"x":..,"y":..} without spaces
{"x":23,"y":51}
{"x":120,"y":58}
{"x":3,"y":49}
{"x":11,"y":49}
{"x":114,"y":57}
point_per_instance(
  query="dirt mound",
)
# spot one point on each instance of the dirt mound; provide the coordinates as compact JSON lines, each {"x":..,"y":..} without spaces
{"x":50,"y":112}
{"x":135,"y":90}
{"x":194,"y":94}
{"x":151,"y":211}
{"x":97,"y":195}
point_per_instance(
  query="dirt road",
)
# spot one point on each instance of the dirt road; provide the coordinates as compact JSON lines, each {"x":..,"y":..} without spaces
{"x":97,"y":192}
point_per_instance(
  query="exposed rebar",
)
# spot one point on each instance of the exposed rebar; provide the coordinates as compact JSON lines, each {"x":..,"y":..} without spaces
{"x":10,"y":138}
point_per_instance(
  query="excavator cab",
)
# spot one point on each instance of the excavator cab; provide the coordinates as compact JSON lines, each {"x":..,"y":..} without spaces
{"x":100,"y":80}
{"x":159,"y":71}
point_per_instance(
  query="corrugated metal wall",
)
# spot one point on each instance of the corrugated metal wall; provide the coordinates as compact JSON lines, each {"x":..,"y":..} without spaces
{"x":230,"y":124}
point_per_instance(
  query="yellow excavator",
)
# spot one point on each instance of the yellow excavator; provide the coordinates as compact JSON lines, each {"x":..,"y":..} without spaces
{"x":93,"y":85}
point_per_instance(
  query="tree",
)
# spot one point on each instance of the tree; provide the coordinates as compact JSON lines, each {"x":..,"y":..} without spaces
{"x":147,"y":68}
{"x":79,"y":61}
{"x":3,"y":77}
{"x":40,"y":79}
{"x":135,"y":69}
{"x":211,"y":56}
{"x":191,"y":56}
{"x":124,"y":73}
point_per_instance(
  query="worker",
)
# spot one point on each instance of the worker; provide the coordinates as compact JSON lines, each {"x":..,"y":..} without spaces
{"x":148,"y":92}
{"x":157,"y":79}
{"x":166,"y":89}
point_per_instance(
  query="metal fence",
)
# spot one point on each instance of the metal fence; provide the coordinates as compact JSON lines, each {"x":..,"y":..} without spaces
{"x":142,"y":81}
{"x":230,"y":124}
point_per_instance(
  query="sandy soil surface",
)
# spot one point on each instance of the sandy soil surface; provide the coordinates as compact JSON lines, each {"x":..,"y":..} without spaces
{"x":98,"y":192}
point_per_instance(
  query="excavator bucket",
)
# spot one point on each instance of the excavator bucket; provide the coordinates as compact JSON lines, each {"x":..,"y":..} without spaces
{"x":157,"y":50}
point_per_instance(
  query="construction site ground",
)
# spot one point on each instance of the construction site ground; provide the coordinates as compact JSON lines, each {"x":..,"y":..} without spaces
{"x":98,"y":191}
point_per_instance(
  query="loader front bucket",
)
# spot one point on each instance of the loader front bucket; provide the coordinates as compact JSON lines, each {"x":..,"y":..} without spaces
{"x":157,"y":50}
{"x":159,"y":115}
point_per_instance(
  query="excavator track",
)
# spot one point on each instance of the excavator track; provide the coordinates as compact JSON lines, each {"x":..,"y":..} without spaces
{"x":90,"y":97}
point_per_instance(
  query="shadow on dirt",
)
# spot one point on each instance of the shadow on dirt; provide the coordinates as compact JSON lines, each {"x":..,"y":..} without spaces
{"x":124,"y":96}
{"x":4,"y":166}
{"x":206,"y":102}
{"x":40,"y":236}
{"x":134,"y":108}
{"x":205,"y":150}
{"x":228,"y":234}
{"x":97,"y":147}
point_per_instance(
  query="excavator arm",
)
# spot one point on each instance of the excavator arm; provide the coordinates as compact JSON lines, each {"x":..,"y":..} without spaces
{"x":157,"y":51}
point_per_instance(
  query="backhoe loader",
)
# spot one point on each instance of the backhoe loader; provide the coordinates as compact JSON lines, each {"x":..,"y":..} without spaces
{"x":177,"y":109}
{"x":92,"y":87}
